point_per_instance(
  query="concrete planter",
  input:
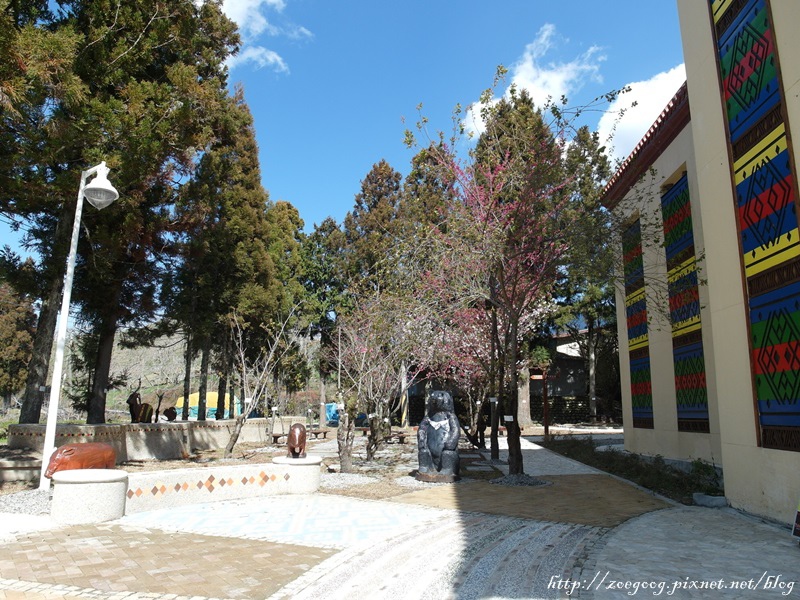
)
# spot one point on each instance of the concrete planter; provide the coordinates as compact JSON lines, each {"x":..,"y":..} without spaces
{"x":304,"y":472}
{"x":88,"y":496}
{"x":154,"y":490}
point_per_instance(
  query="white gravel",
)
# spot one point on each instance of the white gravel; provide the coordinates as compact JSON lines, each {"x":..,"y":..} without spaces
{"x":519,"y":480}
{"x":412,"y":482}
{"x":29,"y":502}
{"x":336,"y":481}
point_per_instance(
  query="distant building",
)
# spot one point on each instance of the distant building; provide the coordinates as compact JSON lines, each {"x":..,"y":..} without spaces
{"x":709,"y":320}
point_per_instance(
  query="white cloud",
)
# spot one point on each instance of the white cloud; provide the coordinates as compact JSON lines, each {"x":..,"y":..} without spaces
{"x":254,"y":21}
{"x":250,"y":17}
{"x":298,"y":32}
{"x":650,"y":98}
{"x":259,"y":56}
{"x":546,"y":80}
{"x":554,"y":79}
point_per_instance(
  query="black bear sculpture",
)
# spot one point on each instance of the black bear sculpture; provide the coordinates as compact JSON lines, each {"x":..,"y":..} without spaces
{"x":437,"y":440}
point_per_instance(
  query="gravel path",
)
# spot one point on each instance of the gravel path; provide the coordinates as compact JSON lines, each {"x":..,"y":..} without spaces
{"x":28,"y":502}
{"x":462,"y":555}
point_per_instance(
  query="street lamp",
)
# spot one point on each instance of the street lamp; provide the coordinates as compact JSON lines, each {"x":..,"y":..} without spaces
{"x":100,"y":193}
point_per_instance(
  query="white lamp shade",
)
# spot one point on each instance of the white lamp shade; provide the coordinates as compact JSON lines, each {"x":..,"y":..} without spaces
{"x":99,"y":192}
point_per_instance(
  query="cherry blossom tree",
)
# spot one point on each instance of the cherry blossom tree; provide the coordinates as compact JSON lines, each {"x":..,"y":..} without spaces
{"x":376,"y":342}
{"x":499,"y":256}
{"x":258,"y":361}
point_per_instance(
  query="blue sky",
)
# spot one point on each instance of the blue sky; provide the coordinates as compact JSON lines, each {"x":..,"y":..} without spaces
{"x":333,"y":84}
{"x":330,"y":82}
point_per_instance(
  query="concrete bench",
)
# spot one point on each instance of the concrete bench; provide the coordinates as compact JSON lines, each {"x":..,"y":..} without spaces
{"x":319,"y":432}
{"x":88,"y":495}
{"x":276,"y":437}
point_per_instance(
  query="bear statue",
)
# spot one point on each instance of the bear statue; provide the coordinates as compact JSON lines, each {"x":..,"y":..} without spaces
{"x":437,"y":440}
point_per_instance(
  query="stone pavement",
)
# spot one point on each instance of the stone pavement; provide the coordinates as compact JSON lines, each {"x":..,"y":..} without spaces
{"x":584,"y":535}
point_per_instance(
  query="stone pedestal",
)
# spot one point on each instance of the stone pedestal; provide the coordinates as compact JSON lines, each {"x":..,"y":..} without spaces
{"x":88,"y":495}
{"x":304,"y":473}
{"x":436,"y":477}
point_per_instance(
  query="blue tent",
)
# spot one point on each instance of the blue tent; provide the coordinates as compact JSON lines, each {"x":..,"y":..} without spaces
{"x":332,"y":415}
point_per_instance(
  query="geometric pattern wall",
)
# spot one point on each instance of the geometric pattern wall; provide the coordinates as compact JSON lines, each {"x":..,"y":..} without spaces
{"x":684,"y":309}
{"x":766,"y":196}
{"x":636,"y":317}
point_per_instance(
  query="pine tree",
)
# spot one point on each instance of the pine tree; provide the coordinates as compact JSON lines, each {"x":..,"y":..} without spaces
{"x":224,"y":228}
{"x":369,"y":229}
{"x":586,"y":286}
{"x":152,"y":80}
{"x":17,"y":322}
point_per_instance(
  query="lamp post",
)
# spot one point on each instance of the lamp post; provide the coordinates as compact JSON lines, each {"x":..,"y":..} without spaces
{"x":100,"y":193}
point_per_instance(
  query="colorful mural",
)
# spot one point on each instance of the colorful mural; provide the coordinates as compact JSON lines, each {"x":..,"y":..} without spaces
{"x":684,"y":309}
{"x":636,"y":315}
{"x":767,"y":215}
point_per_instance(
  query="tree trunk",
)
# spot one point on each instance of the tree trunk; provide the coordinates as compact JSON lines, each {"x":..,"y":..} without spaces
{"x":404,"y":395}
{"x":481,"y":422}
{"x":39,"y":363}
{"x":201,"y":402}
{"x":345,"y":435}
{"x":187,"y":377}
{"x":515,"y":466}
{"x":231,"y":380}
{"x":322,"y":401}
{"x":524,"y":398}
{"x":222,"y":385}
{"x":592,"y":360}
{"x":377,"y":435}
{"x":102,"y":367}
{"x":494,"y":443}
{"x":237,"y":429}
{"x":222,"y":389}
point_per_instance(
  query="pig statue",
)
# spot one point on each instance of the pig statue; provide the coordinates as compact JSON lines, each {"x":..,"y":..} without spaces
{"x":92,"y":455}
{"x":297,"y":441}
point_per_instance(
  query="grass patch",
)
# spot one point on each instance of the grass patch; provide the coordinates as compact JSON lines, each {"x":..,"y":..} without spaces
{"x":653,"y":474}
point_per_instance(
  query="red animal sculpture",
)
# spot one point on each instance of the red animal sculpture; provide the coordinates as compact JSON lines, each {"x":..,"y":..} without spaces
{"x":92,"y":455}
{"x":297,"y":441}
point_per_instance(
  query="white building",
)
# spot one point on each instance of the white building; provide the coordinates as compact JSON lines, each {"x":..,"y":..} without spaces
{"x":709,"y":321}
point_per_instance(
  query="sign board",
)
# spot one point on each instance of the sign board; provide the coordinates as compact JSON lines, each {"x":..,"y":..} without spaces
{"x":508,"y":418}
{"x":537,"y":376}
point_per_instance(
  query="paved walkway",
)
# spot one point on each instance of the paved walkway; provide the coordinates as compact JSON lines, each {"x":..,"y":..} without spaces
{"x":584,"y":535}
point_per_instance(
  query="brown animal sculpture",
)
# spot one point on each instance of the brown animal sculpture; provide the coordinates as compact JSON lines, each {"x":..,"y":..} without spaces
{"x":297,"y":441}
{"x":92,"y":455}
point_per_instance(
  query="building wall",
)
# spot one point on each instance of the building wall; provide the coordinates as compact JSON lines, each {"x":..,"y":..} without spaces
{"x":744,"y":206}
{"x":643,"y":202}
{"x":757,"y":479}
